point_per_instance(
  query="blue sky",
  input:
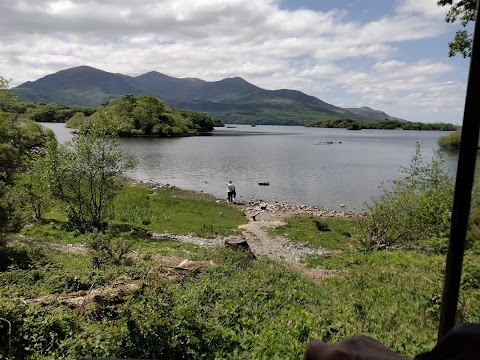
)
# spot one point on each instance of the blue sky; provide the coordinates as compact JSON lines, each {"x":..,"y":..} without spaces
{"x":387,"y":55}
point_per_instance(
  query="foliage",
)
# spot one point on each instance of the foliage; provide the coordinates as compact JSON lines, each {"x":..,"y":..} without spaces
{"x":386,"y":124}
{"x":76,"y":120}
{"x":473,"y":234}
{"x":86,"y":175}
{"x":415,"y":211}
{"x":451,"y":141}
{"x":201,"y":122}
{"x":21,"y":141}
{"x":241,"y":308}
{"x":7,"y":98}
{"x":465,"y":12}
{"x":35,"y":185}
{"x":108,"y":248}
{"x":56,"y":113}
{"x":146,"y":115}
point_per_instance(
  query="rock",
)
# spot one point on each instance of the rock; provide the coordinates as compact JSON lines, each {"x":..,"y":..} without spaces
{"x":239,"y":244}
{"x":195,"y":265}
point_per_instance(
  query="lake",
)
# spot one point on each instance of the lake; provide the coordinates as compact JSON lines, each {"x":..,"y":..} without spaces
{"x":294,"y":160}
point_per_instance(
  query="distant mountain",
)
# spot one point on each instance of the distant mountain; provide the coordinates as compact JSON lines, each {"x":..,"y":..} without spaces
{"x":372,"y":114}
{"x":230,"y":100}
{"x":83,"y":85}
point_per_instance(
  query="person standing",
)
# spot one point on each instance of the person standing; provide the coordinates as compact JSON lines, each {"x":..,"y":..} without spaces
{"x":230,"y":190}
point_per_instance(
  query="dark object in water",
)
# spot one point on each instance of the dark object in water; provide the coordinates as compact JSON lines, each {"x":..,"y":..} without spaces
{"x":264,"y":183}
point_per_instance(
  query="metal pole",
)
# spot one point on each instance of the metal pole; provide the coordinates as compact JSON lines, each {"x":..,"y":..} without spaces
{"x":463,"y":189}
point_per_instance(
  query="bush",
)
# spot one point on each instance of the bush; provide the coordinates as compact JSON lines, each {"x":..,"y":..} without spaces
{"x":450,"y":141}
{"x":107,"y":248}
{"x":35,"y":331}
{"x":415,"y":211}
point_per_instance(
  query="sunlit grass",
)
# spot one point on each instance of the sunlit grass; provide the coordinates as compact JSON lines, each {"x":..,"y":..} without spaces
{"x":327,"y":233}
{"x":171,"y":210}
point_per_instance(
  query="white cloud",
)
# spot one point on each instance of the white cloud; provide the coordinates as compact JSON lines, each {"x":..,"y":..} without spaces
{"x":211,"y":39}
{"x":426,"y":8}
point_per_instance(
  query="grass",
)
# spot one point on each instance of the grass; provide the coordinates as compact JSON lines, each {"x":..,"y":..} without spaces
{"x":328,"y":233}
{"x":166,"y":210}
{"x":175,"y":211}
{"x":241,"y":308}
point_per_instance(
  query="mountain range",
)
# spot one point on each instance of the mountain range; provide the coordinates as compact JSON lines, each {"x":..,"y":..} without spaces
{"x":231,"y":100}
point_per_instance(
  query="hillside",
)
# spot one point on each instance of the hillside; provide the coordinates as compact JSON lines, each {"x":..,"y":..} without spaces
{"x":230,"y":100}
{"x":372,"y":114}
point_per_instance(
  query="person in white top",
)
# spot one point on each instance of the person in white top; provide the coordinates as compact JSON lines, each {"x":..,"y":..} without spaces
{"x":230,"y":191}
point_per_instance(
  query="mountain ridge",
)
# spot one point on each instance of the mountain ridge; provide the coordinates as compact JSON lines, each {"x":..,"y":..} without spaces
{"x":231,"y":99}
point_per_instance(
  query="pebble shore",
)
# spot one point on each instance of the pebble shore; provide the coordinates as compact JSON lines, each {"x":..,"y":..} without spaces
{"x":257,"y":207}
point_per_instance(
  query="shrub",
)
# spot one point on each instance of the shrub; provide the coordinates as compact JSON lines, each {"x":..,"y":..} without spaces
{"x":450,"y":141}
{"x":415,"y":211}
{"x":108,"y":249}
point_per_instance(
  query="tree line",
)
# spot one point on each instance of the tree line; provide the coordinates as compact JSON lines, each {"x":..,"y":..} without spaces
{"x":350,"y":124}
{"x":129,"y":115}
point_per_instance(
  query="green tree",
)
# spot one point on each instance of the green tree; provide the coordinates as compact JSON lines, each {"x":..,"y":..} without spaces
{"x":147,"y":113}
{"x":36,"y":188}
{"x":76,"y":120}
{"x":465,"y":12}
{"x":200,"y":121}
{"x":21,"y":140}
{"x":86,"y":174}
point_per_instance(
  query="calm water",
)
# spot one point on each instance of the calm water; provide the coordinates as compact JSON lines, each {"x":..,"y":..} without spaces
{"x":288,"y":158}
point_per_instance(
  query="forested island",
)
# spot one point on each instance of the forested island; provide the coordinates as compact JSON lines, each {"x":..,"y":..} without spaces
{"x":387,"y":124}
{"x":129,"y":115}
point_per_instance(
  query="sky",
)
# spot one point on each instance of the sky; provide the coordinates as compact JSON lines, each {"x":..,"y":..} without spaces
{"x":390,"y":55}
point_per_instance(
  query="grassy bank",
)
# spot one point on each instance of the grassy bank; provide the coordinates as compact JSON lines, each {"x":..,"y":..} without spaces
{"x":176,"y":211}
{"x":331,"y":234}
{"x":155,"y":209}
{"x":237,"y":309}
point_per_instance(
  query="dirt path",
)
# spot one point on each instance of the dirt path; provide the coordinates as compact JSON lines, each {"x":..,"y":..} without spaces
{"x":275,"y":247}
{"x":278,"y":248}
